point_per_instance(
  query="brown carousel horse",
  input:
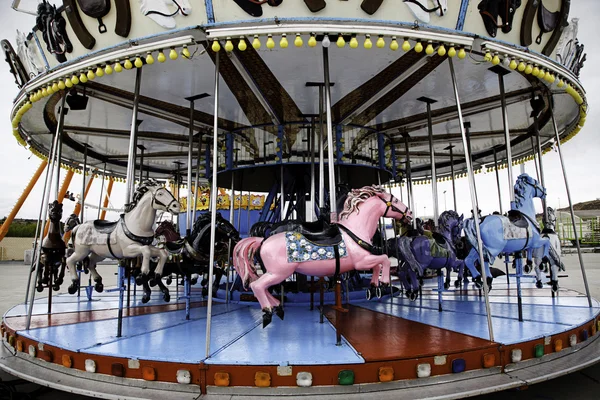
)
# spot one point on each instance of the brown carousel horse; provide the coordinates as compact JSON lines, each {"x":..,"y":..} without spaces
{"x":52,"y":262}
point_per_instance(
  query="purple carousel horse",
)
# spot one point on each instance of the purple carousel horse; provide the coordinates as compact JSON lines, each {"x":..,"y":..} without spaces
{"x":321,"y":249}
{"x":435,"y":251}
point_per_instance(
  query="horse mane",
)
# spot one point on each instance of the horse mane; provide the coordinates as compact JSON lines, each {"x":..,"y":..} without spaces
{"x":446,"y":217}
{"x":140,"y":192}
{"x":358,"y":196}
{"x":522,"y":180}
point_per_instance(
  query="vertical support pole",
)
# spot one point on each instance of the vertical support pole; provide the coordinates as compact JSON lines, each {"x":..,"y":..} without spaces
{"x":321,"y":155}
{"x":82,"y":197}
{"x":330,"y":157}
{"x":111,"y":182}
{"x":44,"y":208}
{"x":142,"y":149}
{"x":511,"y":181}
{"x":188,"y":215}
{"x":498,"y":180}
{"x":230,"y":258}
{"x":541,"y":164}
{"x":101,"y":191}
{"x":473,"y":199}
{"x":409,"y":192}
{"x":129,"y":187}
{"x":196,"y":191}
{"x":453,"y":177}
{"x":312,"y":171}
{"x":564,"y":170}
{"x":434,"y":190}
{"x":213,"y":207}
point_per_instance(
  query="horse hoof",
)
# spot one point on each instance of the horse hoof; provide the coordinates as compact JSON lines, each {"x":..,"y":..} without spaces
{"x":99,"y":287}
{"x":446,"y":285}
{"x":193,"y":281}
{"x":489,"y":283}
{"x":56,"y":288}
{"x":145,"y":299}
{"x":368,"y":294}
{"x":378,"y":292}
{"x":414,"y":296}
{"x":169,"y":281}
{"x":554,"y":286}
{"x":267,"y":317}
{"x":167,"y":297}
{"x":152,"y":282}
{"x":204,"y":291}
{"x":457,"y":283}
{"x":539,"y":284}
{"x":279,"y":312}
{"x":527,"y":268}
{"x":72,"y":289}
{"x":39,"y":288}
{"x":203,"y":282}
{"x":478,"y":282}
{"x":139,"y":280}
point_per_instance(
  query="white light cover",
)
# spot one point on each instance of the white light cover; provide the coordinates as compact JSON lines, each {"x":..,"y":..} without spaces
{"x":423,"y":370}
{"x":547,"y":340}
{"x":184,"y":376}
{"x":440,"y":360}
{"x":41,"y":346}
{"x":90,"y":365}
{"x":326,"y":42}
{"x":132,"y":363}
{"x":32,"y":350}
{"x":304,"y":379}
{"x":516,"y":355}
{"x":573,"y":340}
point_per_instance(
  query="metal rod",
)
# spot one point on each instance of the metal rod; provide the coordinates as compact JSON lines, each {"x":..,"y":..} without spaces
{"x":132,"y":138}
{"x":213,"y":209}
{"x":564,"y":170}
{"x":541,"y":164}
{"x":142,"y":149}
{"x":230,"y":258}
{"x":498,"y":180}
{"x":188,"y":216}
{"x":197,"y":182}
{"x":312,"y":171}
{"x":409,"y":193}
{"x":511,"y":182}
{"x":473,"y":200}
{"x":101,"y":190}
{"x":434,"y":190}
{"x":59,"y":131}
{"x":534,"y":150}
{"x":82,"y":198}
{"x":46,"y":198}
{"x":281,"y":193}
{"x":453,"y":178}
{"x":331,"y":163}
{"x":321,"y":156}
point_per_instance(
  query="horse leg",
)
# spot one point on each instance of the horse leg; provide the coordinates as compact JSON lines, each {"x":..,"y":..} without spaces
{"x":164,"y":290}
{"x":94,"y":259}
{"x":146,"y":289}
{"x":537,"y":260}
{"x":554,"y":277}
{"x":80,"y":252}
{"x":470,"y":263}
{"x":528,"y":263}
{"x":260,"y":289}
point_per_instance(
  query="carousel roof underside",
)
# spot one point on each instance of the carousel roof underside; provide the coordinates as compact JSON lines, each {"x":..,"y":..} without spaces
{"x":374,"y":91}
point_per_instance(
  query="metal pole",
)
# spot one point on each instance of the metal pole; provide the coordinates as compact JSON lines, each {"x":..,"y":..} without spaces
{"x":473,"y":200}
{"x":82,"y":198}
{"x":541,"y":164}
{"x":46,"y":198}
{"x":142,"y":149}
{"x":213,"y":208}
{"x":321,"y":156}
{"x":409,"y":192}
{"x":498,"y":180}
{"x":231,"y":207}
{"x":511,"y":181}
{"x":453,"y":178}
{"x":198,"y":176}
{"x":433,"y":169}
{"x":312,"y":171}
{"x":564,"y":170}
{"x":281,"y":193}
{"x":188,"y":216}
{"x":129,"y":185}
{"x":534,"y":150}
{"x":331,"y":160}
{"x":59,"y":131}
{"x":101,"y":190}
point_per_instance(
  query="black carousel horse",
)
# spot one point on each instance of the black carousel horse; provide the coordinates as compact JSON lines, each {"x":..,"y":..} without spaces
{"x":14,"y":64}
{"x":191,"y":255}
{"x":491,"y":9}
{"x":53,"y":27}
{"x":52,"y":263}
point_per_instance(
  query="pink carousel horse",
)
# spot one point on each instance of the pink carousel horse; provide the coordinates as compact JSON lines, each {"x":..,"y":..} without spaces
{"x":321,"y":249}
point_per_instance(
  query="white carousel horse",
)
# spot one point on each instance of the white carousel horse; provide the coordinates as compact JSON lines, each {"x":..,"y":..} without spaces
{"x":28,"y":55}
{"x":421,"y":9}
{"x":555,"y":250}
{"x":565,"y":49}
{"x":132,"y":235}
{"x":159,"y":12}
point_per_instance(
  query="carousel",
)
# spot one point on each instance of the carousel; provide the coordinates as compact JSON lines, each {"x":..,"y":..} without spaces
{"x":296,"y":264}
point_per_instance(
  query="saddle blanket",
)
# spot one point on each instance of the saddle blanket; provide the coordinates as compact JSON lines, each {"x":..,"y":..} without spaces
{"x":300,"y":249}
{"x":438,"y":251}
{"x":514,"y":232}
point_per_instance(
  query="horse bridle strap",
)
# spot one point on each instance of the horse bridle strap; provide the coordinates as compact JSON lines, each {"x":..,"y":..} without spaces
{"x":428,"y":10}
{"x":144,"y":240}
{"x":375,"y":250}
{"x":391,"y":205}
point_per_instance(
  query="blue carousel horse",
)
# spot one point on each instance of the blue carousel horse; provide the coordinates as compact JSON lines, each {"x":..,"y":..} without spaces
{"x":434,"y":252}
{"x":513,"y":234}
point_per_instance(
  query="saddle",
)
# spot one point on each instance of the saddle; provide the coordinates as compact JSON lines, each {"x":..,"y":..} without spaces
{"x":254,"y":7}
{"x":439,"y":238}
{"x":318,"y":5}
{"x":319,"y":232}
{"x":174,"y":247}
{"x":95,"y":9}
{"x":518,"y":219}
{"x":547,"y":21}
{"x":563,"y":22}
{"x":527,"y":24}
{"x":103,"y":226}
{"x":369,"y":6}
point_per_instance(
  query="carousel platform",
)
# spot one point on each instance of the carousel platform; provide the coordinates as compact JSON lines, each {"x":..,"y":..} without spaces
{"x":388,"y":344}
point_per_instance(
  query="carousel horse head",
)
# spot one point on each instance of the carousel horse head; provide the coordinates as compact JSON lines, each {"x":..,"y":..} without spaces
{"x":550,"y":221}
{"x":71,"y":222}
{"x":55,"y":211}
{"x":507,"y":11}
{"x":162,"y":199}
{"x":356,"y":197}
{"x":450,"y":222}
{"x":527,"y":188}
{"x":168,"y":231}
{"x":442,"y":7}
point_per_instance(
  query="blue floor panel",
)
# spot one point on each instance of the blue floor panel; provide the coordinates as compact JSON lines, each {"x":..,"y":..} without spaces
{"x":299,"y":339}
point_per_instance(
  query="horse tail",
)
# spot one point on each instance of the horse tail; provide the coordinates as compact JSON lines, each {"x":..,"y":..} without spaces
{"x":243,"y":259}
{"x":404,"y":243}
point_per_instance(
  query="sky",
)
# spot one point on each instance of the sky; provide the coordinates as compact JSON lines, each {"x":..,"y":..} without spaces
{"x":581,"y":154}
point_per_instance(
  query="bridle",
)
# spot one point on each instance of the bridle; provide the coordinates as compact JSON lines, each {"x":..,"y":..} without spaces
{"x":428,"y":10}
{"x":537,"y":188}
{"x":390,"y":205}
{"x":157,"y":203}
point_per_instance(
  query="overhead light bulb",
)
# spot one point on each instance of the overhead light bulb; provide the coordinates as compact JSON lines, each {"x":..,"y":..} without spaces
{"x":368,"y":44}
{"x":312,"y":42}
{"x":184,"y":52}
{"x":326,"y":42}
{"x":406,"y":45}
{"x":418,"y":47}
{"x":353,"y":42}
{"x":256,"y":42}
{"x":172,"y":55}
{"x":99,"y":72}
{"x":283,"y":43}
{"x":242,"y":46}
{"x":441,"y":51}
{"x":462,"y":53}
{"x":216,"y":46}
{"x":228,"y":45}
{"x":451,"y":52}
{"x":270,"y":42}
{"x":394,"y":44}
{"x":138,"y":62}
{"x":380,"y":42}
{"x":298,"y":42}
{"x":149,"y":59}
{"x":340,"y":42}
{"x":161,"y":57}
